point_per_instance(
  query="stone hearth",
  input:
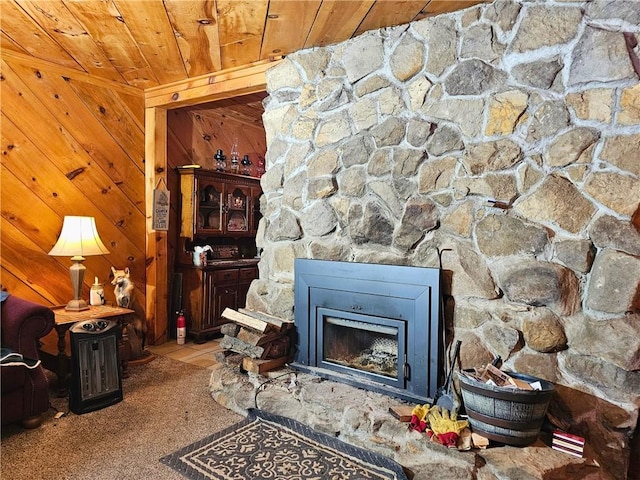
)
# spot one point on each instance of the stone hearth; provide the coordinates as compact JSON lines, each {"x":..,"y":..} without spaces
{"x":362,"y":418}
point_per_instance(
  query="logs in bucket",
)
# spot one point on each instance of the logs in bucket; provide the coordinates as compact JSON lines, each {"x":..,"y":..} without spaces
{"x":506,"y":415}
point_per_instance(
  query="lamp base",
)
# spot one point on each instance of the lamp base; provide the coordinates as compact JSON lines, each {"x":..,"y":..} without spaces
{"x":77,"y":305}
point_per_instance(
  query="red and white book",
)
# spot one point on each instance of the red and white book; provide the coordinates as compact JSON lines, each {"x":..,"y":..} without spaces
{"x":567,"y":443}
{"x":568,"y":437}
{"x":567,"y":450}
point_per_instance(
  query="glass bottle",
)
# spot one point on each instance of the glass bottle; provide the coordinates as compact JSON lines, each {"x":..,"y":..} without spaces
{"x":235,"y":167}
{"x":220,"y":161}
{"x":261,"y":167}
{"x":246,"y":165}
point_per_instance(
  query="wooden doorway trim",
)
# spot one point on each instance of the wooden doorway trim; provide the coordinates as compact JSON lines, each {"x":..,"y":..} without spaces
{"x":207,"y":88}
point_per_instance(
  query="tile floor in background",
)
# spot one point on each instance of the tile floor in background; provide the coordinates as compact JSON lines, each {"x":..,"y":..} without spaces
{"x":197,"y":354}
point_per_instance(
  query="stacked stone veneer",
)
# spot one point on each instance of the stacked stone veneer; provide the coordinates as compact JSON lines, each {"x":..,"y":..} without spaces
{"x":507,"y":136}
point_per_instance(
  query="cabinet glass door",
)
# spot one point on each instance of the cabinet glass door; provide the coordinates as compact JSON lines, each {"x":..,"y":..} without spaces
{"x":210,"y":207}
{"x":238,"y":210}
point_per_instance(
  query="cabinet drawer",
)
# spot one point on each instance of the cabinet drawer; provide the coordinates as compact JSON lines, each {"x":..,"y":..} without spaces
{"x":228,"y":275}
{"x":248,"y":273}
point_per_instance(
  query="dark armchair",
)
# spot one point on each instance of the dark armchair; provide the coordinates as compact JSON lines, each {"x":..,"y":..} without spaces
{"x":25,"y":391}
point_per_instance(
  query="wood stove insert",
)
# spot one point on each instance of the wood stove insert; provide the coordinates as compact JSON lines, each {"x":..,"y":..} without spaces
{"x":370,"y":325}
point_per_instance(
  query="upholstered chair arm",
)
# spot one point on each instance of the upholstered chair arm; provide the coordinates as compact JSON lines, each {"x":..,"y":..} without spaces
{"x":23,"y":324}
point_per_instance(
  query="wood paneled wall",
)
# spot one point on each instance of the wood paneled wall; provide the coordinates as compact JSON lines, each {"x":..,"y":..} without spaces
{"x":71,"y":145}
{"x":203,"y":130}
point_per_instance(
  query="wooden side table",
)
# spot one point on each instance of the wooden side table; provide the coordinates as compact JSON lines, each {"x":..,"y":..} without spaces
{"x":58,"y":362}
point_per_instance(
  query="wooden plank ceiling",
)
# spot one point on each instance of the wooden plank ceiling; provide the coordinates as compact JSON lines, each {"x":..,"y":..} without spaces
{"x":146,"y":43}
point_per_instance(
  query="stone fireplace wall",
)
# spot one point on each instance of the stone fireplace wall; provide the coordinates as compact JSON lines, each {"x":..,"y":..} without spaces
{"x":501,"y":142}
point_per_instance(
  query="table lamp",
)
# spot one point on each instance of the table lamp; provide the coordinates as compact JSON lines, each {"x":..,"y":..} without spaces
{"x":78,"y":238}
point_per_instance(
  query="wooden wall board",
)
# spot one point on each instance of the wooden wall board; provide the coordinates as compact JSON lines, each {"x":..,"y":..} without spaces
{"x":178,"y":153}
{"x":436,"y":7}
{"x":7,"y":44}
{"x":384,"y":14}
{"x":104,"y":24}
{"x":31,"y":182}
{"x":135,"y":107}
{"x":149,"y":26}
{"x":204,"y":128}
{"x":280,"y":35}
{"x":116,"y":120}
{"x":38,"y":221}
{"x":22,"y":31}
{"x":220,"y":139}
{"x":70,"y":34}
{"x":224,"y":132}
{"x":240,"y":24}
{"x":17,"y":286}
{"x":246,"y":109}
{"x":55,"y":156}
{"x":14,"y":57}
{"x":337,"y":21}
{"x":179,"y":122}
{"x":201,"y":133}
{"x":196,"y":26}
{"x":22,"y":106}
{"x":55,"y":94}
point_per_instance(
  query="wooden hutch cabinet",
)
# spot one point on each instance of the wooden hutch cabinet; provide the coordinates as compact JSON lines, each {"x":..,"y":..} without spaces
{"x":219,"y":216}
{"x":217,"y":203}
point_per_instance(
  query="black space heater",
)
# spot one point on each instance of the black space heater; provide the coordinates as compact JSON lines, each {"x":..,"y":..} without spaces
{"x":95,"y":365}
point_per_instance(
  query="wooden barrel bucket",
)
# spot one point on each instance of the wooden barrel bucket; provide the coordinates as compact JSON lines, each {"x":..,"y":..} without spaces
{"x":506,"y":415}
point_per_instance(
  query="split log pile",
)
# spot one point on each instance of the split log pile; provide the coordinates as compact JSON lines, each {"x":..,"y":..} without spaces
{"x":263,"y":342}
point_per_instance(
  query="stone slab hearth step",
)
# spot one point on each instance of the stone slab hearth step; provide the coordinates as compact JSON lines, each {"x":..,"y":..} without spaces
{"x":362,"y":418}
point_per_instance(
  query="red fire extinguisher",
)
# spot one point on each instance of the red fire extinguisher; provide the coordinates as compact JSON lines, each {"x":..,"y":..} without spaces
{"x":181,"y":324}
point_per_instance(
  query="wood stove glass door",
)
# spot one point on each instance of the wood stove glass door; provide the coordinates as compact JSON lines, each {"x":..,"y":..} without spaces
{"x":362,"y":345}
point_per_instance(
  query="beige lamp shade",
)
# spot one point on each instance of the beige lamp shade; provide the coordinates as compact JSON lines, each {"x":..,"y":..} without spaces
{"x":78,"y":239}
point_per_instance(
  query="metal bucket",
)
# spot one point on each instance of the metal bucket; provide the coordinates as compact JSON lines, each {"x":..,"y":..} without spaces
{"x":506,"y":415}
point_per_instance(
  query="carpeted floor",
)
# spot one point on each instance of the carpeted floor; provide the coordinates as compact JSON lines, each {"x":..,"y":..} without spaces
{"x":166,"y":406}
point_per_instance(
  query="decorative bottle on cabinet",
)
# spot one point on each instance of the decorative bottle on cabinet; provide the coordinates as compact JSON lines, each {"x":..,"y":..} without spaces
{"x":246,"y":165}
{"x":220,"y":161}
{"x":235,"y":166}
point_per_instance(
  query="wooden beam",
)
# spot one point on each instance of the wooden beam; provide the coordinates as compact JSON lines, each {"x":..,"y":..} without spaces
{"x":157,"y":269}
{"x":207,"y":88}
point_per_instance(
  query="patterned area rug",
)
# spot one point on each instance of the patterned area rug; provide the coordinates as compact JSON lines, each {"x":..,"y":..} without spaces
{"x":267,"y":446}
